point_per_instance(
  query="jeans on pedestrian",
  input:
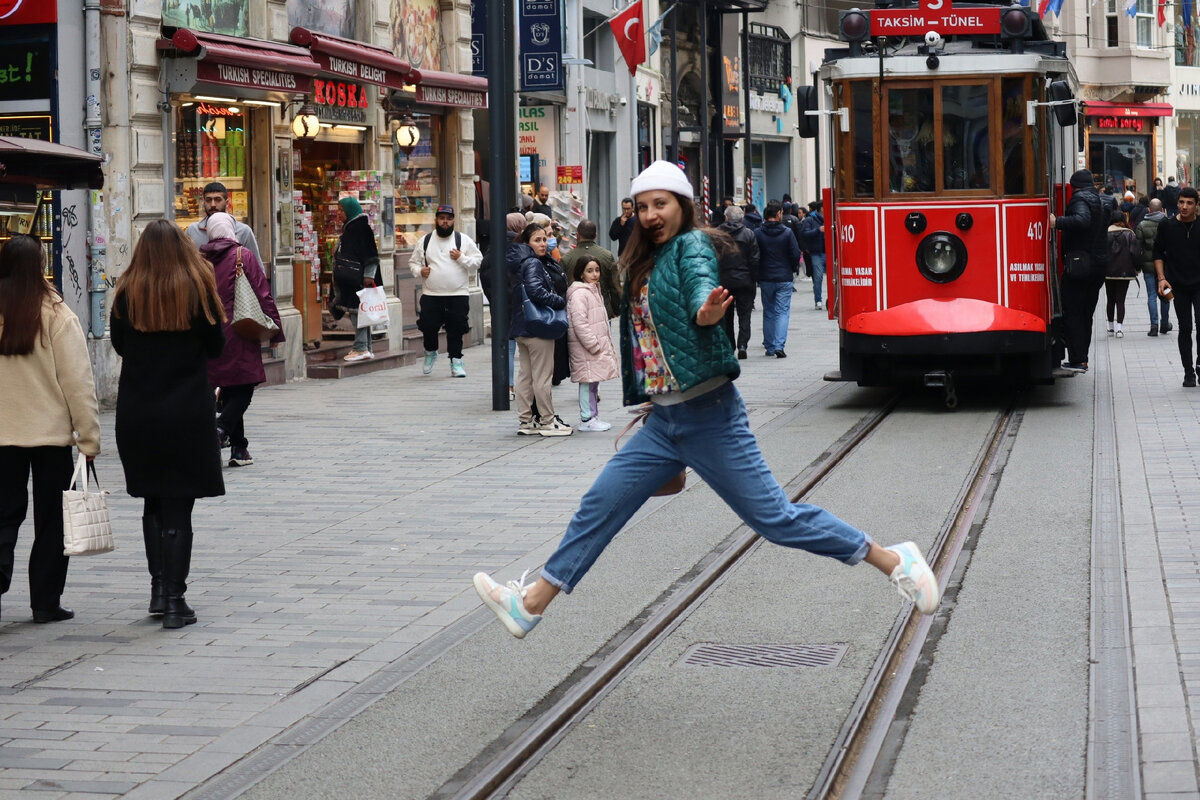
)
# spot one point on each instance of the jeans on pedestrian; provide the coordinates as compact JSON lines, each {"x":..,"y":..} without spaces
{"x":51,"y":468}
{"x":1187,"y":308}
{"x":512,"y":352}
{"x":234,"y":402}
{"x":711,"y":434}
{"x":818,"y":274}
{"x":1155,"y":303}
{"x":777,"y":308}
{"x":589,"y":401}
{"x":362,"y":336}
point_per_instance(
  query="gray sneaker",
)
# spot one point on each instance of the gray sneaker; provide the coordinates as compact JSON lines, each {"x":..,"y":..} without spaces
{"x":554,"y":426}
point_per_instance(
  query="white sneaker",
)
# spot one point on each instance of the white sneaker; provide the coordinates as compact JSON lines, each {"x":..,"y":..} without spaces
{"x":554,"y":427}
{"x":594,"y":424}
{"x":527,"y":429}
{"x":430,"y":357}
{"x":820,"y":306}
{"x":354,"y":355}
{"x":914,"y":579}
{"x":507,"y":603}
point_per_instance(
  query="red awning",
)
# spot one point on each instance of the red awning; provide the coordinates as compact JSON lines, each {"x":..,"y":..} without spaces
{"x":1096,"y":108}
{"x":354,"y":60}
{"x":246,"y":63}
{"x":449,"y":89}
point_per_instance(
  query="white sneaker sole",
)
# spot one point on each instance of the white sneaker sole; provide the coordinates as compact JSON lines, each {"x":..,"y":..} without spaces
{"x":481,"y":589}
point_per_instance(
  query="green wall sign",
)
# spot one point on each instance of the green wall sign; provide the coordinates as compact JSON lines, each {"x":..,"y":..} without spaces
{"x":25,"y":71}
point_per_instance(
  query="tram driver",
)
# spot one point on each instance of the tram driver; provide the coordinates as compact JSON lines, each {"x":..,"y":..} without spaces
{"x":910,"y":148}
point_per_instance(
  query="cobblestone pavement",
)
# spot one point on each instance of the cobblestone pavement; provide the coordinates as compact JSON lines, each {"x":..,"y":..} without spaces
{"x":352,"y":539}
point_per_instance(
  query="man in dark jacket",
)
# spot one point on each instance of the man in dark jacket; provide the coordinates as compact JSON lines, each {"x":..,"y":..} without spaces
{"x":779,"y":256}
{"x":812,"y":235}
{"x":622,"y":226}
{"x":1177,"y":265}
{"x":739,"y":274}
{"x":1147,"y":232}
{"x":1170,"y":197}
{"x":1085,"y":241}
{"x":588,"y":250}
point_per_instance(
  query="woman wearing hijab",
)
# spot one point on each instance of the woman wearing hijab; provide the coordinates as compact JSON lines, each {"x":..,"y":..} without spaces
{"x":356,"y":245}
{"x":239,"y":368}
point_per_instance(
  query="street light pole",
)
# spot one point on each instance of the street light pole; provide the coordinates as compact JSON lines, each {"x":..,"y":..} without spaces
{"x":500,"y":57}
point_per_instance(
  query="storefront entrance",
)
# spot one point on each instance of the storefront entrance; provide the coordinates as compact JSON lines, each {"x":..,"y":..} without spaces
{"x":1121,"y":162}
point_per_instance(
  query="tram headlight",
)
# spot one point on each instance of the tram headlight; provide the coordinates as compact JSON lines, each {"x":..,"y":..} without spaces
{"x":941,"y":257}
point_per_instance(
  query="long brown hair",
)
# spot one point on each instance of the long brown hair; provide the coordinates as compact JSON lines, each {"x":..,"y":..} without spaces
{"x":167,"y":283}
{"x":24,"y":290}
{"x":638,"y":258}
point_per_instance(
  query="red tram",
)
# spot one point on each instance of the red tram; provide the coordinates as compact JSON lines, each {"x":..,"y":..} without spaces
{"x":950,"y":129}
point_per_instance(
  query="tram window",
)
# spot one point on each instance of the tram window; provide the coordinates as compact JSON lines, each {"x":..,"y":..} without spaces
{"x":864,"y":139}
{"x":1012,"y":93}
{"x":910,"y":140}
{"x":965,"y":142}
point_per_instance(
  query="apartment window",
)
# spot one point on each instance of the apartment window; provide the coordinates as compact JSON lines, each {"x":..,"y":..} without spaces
{"x":1112,"y":24}
{"x":770,"y":58}
{"x":1145,"y":23}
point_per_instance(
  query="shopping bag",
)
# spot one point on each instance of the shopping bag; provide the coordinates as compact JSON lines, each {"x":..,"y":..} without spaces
{"x":86,"y":528}
{"x":372,"y":307}
{"x":249,"y":320}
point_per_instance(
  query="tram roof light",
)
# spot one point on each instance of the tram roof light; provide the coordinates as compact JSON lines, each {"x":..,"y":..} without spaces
{"x":854,"y":25}
{"x":1016,"y":23}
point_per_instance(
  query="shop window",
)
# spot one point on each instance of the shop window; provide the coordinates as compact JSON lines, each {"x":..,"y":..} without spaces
{"x":211,"y":143}
{"x":965,"y":142}
{"x":910,"y":140}
{"x":33,"y":215}
{"x":418,"y":183}
{"x":1014,"y":133}
{"x":1185,"y":41}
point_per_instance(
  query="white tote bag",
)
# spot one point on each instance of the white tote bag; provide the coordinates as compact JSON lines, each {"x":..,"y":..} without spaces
{"x":372,"y":307}
{"x":86,"y":529}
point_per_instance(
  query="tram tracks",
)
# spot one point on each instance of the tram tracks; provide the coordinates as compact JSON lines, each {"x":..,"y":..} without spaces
{"x":870,"y":735}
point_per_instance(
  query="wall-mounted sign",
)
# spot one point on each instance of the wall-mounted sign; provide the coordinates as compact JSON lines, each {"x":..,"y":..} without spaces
{"x":25,"y":71}
{"x":1135,"y":124}
{"x":33,"y":126}
{"x":569,"y":175}
{"x":541,"y":46}
{"x":230,"y":17}
{"x":731,"y":83}
{"x":445,"y":96}
{"x":252,"y":77}
{"x":478,"y":37}
{"x":338,"y":93}
{"x":28,"y":12}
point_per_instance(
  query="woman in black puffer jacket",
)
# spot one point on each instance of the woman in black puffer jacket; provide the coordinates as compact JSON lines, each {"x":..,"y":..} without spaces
{"x":537,"y":274}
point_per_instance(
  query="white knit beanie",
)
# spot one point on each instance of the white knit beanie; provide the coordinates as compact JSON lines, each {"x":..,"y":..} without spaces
{"x":661,"y":175}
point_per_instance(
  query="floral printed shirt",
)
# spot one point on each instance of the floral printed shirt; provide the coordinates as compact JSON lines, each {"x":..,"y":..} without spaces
{"x":649,"y":364}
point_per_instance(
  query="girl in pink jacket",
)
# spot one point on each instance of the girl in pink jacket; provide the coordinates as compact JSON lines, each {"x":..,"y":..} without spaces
{"x":593,"y":358}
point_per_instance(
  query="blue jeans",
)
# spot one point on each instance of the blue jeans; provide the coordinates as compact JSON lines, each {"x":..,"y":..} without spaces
{"x":1162,"y":307}
{"x":817,"y":260}
{"x":777,"y":307}
{"x":710,"y":434}
{"x":362,"y":336}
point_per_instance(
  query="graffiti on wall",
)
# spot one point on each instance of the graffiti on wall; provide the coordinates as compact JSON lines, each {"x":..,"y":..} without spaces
{"x":417,"y":33}
{"x":333,"y":17}
{"x":229,"y":17}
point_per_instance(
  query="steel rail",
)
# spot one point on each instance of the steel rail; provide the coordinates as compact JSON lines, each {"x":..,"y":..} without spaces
{"x":865,"y":749}
{"x":496,"y":776}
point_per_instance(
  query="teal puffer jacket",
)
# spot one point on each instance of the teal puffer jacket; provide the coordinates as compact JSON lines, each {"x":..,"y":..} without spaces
{"x":685,"y":272}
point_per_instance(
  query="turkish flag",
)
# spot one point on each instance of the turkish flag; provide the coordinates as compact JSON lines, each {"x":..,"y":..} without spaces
{"x":630,"y":29}
{"x":1162,"y":13}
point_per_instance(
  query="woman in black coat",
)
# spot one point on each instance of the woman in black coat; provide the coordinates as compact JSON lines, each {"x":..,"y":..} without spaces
{"x":166,"y":325}
{"x":356,"y":245}
{"x":536,"y":281}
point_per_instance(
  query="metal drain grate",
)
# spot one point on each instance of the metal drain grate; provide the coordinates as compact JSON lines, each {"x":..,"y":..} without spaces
{"x":770,"y":656}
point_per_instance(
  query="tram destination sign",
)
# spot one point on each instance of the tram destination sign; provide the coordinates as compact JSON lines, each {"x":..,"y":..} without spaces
{"x":935,"y":15}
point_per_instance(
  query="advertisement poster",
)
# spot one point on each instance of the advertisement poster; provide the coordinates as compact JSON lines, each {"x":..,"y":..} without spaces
{"x":541,"y":45}
{"x":417,"y":33}
{"x":332,"y":17}
{"x":228,"y":17}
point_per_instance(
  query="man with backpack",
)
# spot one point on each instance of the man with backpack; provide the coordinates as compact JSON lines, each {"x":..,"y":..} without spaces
{"x":1170,"y":197}
{"x":1085,"y":253}
{"x":444,"y":263}
{"x":812,"y":231}
{"x":1147,"y":231}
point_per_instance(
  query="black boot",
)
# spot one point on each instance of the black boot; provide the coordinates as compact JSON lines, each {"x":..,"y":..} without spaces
{"x":177,"y":557}
{"x":152,"y":534}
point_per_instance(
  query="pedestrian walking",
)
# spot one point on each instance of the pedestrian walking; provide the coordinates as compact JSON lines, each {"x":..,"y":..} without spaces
{"x":1147,"y":231}
{"x":356,"y":250}
{"x":166,"y":325}
{"x":622,"y":226}
{"x":779,"y":258}
{"x":47,"y":405}
{"x":514,"y":225}
{"x":1177,"y":265}
{"x":1124,"y":259}
{"x":216,"y":201}
{"x":541,"y":203}
{"x":812,"y":230}
{"x":1169,"y":195}
{"x":444,"y":264}
{"x":1138,"y":212}
{"x":537,"y":282}
{"x":593,"y":358}
{"x":1085,"y":241}
{"x":738,"y":272}
{"x":673,"y":304}
{"x":239,"y":368}
{"x":589,"y":250}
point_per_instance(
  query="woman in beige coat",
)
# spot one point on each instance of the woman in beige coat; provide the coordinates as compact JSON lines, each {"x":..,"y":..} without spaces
{"x":47,"y":405}
{"x":593,"y":357}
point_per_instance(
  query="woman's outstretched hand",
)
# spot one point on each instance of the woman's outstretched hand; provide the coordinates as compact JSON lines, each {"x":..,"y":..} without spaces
{"x":713,"y":310}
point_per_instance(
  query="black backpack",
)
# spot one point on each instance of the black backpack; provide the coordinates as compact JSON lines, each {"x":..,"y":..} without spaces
{"x":425,"y":242}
